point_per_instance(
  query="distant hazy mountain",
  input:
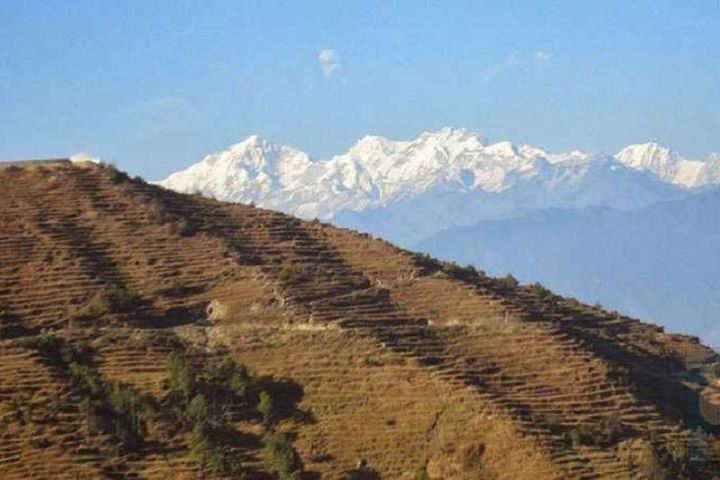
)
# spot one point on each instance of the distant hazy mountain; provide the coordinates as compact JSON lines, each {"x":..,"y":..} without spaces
{"x":661,"y":262}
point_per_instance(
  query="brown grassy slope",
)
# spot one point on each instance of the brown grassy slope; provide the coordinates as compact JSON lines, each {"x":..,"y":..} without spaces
{"x":401,"y":361}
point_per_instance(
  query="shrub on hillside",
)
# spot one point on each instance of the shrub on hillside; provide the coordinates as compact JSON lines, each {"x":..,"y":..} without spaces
{"x":467,"y":273}
{"x":181,"y":375}
{"x":292,"y":273}
{"x":266,"y":407}
{"x":508,"y":281}
{"x":113,"y":299}
{"x":210,"y":454}
{"x":573,"y":302}
{"x":282,"y":457}
{"x":227,"y":378}
{"x":111,"y":408}
{"x":422,"y":474}
{"x":85,"y":377}
{"x":425,"y":261}
{"x":661,"y":466}
{"x":183,"y":228}
{"x":113,"y":174}
{"x":55,"y":350}
{"x":156,"y":213}
{"x":540,"y":291}
{"x":603,"y":434}
{"x":198,"y":411}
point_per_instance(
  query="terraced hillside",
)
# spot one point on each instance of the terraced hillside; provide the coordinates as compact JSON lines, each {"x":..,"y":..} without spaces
{"x":148,"y":334}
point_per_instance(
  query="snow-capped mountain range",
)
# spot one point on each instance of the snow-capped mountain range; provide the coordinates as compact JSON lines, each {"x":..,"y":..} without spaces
{"x":377,"y":172}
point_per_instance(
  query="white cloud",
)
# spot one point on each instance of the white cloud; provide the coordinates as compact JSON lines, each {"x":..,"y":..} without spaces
{"x":512,"y":61}
{"x":329,"y":61}
{"x":496,"y":69}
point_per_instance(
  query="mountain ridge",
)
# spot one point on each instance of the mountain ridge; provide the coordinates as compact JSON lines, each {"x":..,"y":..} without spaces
{"x":377,"y":171}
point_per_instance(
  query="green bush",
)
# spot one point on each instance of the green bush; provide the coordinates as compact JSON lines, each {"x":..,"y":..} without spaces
{"x":508,"y":281}
{"x":266,"y":406}
{"x":200,"y":444}
{"x":573,"y":302}
{"x":56,"y":350}
{"x":228,"y":377}
{"x":86,"y":378}
{"x":239,"y":382}
{"x":282,"y":457}
{"x":452,"y":269}
{"x":113,"y":174}
{"x":130,"y":412}
{"x":603,"y":434}
{"x":111,"y":408}
{"x":293,"y":274}
{"x":422,"y":474}
{"x":425,"y":261}
{"x":467,"y":273}
{"x":198,"y":411}
{"x":540,"y":291}
{"x":182,"y":377}
{"x":183,"y":228}
{"x":210,"y":454}
{"x":95,"y":422}
{"x":198,"y":400}
{"x":47,"y":344}
{"x":113,"y":299}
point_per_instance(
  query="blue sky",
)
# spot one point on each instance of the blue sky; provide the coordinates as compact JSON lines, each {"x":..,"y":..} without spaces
{"x":155,"y":85}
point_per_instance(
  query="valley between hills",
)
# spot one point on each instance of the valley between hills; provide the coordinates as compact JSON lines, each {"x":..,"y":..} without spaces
{"x":151,"y":334}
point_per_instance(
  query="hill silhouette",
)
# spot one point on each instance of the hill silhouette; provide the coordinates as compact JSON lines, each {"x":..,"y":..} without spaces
{"x":151,"y":334}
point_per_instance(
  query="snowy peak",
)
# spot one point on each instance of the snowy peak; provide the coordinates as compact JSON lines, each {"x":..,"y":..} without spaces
{"x":647,"y":156}
{"x":246,"y":171}
{"x":652,"y":157}
{"x":258,"y":153}
{"x":668,"y":165}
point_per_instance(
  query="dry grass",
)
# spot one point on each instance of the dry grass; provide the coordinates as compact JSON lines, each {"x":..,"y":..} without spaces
{"x":403,"y":362}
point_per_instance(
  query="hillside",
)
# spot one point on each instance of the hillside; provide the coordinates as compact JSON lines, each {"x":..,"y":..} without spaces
{"x":152,"y":334}
{"x":657,"y":262}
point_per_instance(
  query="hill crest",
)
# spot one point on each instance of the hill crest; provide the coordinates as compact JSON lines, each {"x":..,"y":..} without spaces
{"x":396,"y":359}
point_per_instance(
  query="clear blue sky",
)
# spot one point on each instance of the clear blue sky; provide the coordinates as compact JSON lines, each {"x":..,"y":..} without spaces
{"x":155,"y":85}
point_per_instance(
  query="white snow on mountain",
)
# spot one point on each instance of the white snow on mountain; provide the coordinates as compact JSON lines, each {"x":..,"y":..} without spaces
{"x":669,"y":166}
{"x":376,"y":172}
{"x":85,"y":158}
